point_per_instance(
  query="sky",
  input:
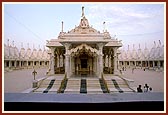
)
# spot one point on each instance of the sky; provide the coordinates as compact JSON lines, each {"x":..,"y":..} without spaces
{"x":33,"y":24}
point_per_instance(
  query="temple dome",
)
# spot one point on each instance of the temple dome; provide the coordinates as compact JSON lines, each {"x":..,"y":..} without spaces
{"x":28,"y":54}
{"x":134,"y":53}
{"x":39,"y":54}
{"x":152,"y":52}
{"x":146,"y":53}
{"x":128,"y":54}
{"x":34,"y":54}
{"x":6,"y":51}
{"x":16,"y":53}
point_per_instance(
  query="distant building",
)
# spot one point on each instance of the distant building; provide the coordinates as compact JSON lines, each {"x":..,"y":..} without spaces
{"x":24,"y":58}
{"x":146,"y":59}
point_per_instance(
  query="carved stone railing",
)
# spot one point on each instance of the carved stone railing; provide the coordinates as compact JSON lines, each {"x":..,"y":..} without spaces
{"x":105,"y":83}
{"x":63,"y":83}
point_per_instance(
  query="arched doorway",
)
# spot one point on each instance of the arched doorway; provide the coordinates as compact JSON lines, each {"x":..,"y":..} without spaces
{"x":84,"y":60}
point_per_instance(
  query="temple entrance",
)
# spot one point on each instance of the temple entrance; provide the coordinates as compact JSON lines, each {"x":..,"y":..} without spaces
{"x":84,"y":59}
{"x":84,"y":63}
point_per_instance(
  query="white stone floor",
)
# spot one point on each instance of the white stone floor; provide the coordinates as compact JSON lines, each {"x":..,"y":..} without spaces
{"x":20,"y":80}
{"x":154,"y":79}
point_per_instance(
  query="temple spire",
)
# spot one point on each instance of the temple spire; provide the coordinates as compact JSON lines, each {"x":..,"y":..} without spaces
{"x":154,"y":44}
{"x":82,"y":11}
{"x":62,"y":26}
{"x":104,"y":26}
{"x":8,"y":42}
{"x":13,"y":43}
{"x":159,"y":42}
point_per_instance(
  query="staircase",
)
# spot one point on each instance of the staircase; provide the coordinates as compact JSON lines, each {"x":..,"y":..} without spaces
{"x":84,"y":85}
{"x":49,"y":85}
{"x":117,"y":85}
{"x":93,"y":86}
{"x":73,"y":86}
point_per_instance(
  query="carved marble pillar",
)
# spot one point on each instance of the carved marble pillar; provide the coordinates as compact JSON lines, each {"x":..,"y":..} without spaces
{"x":100,"y":45}
{"x":67,"y":59}
{"x":52,"y":71}
{"x":70,"y":64}
{"x":97,"y":65}
{"x":20,"y":64}
{"x":9,"y":64}
{"x":109,"y":60}
{"x":158,"y":65}
{"x":115,"y":60}
{"x":58,"y":61}
{"x":15,"y":63}
{"x":27,"y":64}
{"x":153,"y":64}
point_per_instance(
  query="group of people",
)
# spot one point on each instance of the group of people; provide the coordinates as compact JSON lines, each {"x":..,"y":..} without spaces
{"x":146,"y":89}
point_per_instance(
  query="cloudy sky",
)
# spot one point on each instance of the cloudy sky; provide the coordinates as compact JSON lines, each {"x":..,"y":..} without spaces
{"x":132,"y":23}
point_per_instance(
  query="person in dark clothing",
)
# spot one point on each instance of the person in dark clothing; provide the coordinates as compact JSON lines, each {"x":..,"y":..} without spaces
{"x":150,"y":89}
{"x":139,"y":90}
{"x":146,"y":88}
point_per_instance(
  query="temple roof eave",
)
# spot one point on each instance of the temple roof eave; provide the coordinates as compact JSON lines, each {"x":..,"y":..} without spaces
{"x":58,"y":42}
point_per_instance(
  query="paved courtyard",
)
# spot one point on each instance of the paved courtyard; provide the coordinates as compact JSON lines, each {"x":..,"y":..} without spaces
{"x":154,"y":79}
{"x":20,"y":80}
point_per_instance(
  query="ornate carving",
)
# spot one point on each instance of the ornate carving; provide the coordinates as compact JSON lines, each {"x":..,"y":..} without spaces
{"x":84,"y":46}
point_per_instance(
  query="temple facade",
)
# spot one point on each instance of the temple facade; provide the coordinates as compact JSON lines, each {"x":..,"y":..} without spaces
{"x":83,"y":50}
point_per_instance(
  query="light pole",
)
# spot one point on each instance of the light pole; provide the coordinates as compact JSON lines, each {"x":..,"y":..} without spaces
{"x":34,"y":81}
{"x":34,"y":73}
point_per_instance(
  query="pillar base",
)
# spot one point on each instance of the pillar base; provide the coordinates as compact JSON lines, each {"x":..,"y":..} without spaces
{"x":35,"y":83}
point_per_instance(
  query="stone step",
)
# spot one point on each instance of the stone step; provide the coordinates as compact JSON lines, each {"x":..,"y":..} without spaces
{"x":93,"y":85}
{"x":56,"y":86}
{"x":53,"y":90}
{"x":72,"y":90}
{"x":93,"y":82}
{"x":94,"y":89}
{"x":73,"y":83}
{"x":40,"y":90}
{"x":95,"y":92}
{"x":72,"y":86}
